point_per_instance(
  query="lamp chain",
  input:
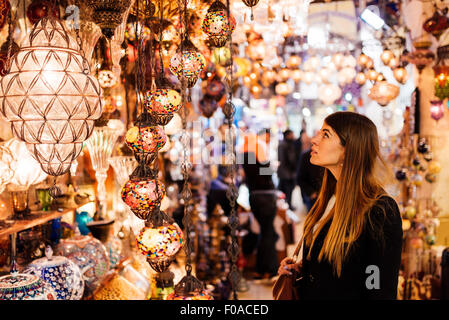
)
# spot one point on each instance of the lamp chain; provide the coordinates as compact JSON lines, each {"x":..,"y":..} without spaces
{"x":232,"y":192}
{"x":186,"y":165}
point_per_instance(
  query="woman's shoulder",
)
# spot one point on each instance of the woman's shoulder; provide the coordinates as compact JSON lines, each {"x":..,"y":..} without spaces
{"x":386,"y":202}
{"x":384,"y":211}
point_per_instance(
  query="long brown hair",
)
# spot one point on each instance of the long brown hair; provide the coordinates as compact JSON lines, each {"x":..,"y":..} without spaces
{"x":356,"y":190}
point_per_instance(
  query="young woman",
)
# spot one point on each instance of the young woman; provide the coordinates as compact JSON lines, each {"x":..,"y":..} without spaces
{"x":353,"y":233}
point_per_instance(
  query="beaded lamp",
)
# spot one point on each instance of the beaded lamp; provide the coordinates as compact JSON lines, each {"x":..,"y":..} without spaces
{"x":216,"y":24}
{"x":188,"y":62}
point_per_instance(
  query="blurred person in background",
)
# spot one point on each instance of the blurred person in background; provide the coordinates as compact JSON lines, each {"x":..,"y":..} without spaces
{"x":287,"y":155}
{"x":262,"y":199}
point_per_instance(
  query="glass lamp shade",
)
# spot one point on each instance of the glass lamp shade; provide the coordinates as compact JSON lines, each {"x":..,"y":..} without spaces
{"x":283,"y":89}
{"x":49,"y":99}
{"x":436,"y":110}
{"x":349,"y":62}
{"x":145,"y":140}
{"x":328,"y":93}
{"x":208,"y":107}
{"x":89,"y":33}
{"x":394,"y":63}
{"x":346,"y":75}
{"x":337,"y":60}
{"x":436,"y":24}
{"x":26,"y":170}
{"x":89,"y":254}
{"x":61,"y":273}
{"x":312,"y":64}
{"x":284,"y":75}
{"x":107,"y":79}
{"x":325,"y":74}
{"x":216,"y":24}
{"x":386,"y":56}
{"x":360,"y":78}
{"x":372,"y":74}
{"x":308,"y":77}
{"x":441,"y":81}
{"x":202,"y":295}
{"x":141,"y":196}
{"x":160,"y":244}
{"x":130,"y":31}
{"x":293,"y":62}
{"x":100,"y":146}
{"x":163,"y":101}
{"x":297,"y":75}
{"x":401,"y":75}
{"x":108,"y":14}
{"x":383,"y":92}
{"x":6,"y":169}
{"x":123,"y":166}
{"x":215,"y":89}
{"x":189,"y":64}
{"x":421,"y":58}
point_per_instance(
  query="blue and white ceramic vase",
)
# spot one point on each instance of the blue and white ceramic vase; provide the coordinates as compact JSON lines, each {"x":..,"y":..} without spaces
{"x":61,"y":273}
{"x":89,"y":254}
{"x":24,"y":286}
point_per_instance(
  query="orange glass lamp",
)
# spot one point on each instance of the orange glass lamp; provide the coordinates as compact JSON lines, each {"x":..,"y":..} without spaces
{"x":160,"y":240}
{"x":383,"y":92}
{"x":441,"y":81}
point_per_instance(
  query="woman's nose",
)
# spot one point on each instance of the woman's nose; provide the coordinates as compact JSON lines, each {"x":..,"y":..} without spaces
{"x":315,"y":140}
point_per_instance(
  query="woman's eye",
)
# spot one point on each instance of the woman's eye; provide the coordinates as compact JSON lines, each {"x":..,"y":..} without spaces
{"x":326,"y":135}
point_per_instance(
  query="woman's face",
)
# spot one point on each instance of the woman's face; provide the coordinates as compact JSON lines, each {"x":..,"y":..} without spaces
{"x":327,"y":150}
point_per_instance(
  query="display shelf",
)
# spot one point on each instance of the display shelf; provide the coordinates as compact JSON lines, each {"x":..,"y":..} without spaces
{"x":39,"y":217}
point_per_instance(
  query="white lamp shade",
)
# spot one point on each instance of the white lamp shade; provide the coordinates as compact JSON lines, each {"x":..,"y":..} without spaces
{"x":26,"y":170}
{"x":49,"y":96}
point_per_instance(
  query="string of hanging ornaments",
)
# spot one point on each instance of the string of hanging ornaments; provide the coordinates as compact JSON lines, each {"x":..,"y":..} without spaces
{"x":49,"y":95}
{"x":161,"y":238}
{"x":189,"y":287}
{"x":232,"y":191}
{"x":161,"y":100}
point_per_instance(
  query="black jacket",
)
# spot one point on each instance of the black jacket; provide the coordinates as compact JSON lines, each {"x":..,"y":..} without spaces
{"x":380,"y":244}
{"x":309,"y":176}
{"x":258,"y":176}
{"x":287,"y":160}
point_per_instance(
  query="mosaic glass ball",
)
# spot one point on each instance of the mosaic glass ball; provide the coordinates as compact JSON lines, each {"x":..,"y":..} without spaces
{"x":141,"y":196}
{"x":189,"y":64}
{"x":216,"y":24}
{"x":163,"y":101}
{"x":160,"y":243}
{"x":148,"y":139}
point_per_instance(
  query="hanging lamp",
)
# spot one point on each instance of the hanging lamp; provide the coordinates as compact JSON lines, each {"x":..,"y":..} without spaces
{"x":49,"y":96}
{"x":107,"y":14}
{"x":216,"y":24}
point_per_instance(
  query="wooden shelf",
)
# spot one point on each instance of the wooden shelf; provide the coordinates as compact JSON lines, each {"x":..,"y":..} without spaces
{"x":39,"y":217}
